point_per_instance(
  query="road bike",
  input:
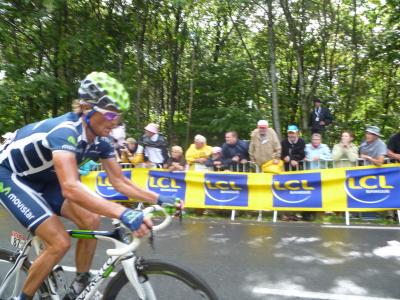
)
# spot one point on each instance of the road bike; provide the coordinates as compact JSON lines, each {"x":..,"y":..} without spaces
{"x":135,"y":277}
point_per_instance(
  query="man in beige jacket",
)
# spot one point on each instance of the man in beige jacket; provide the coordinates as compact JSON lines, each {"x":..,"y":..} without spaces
{"x":264,"y":144}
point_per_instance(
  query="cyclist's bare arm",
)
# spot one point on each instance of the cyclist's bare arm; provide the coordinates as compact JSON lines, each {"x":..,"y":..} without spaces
{"x":124,"y":185}
{"x":67,"y":173}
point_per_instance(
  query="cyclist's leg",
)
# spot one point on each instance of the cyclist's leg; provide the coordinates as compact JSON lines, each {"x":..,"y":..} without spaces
{"x":57,"y":243}
{"x":20,"y":198}
{"x":84,"y":219}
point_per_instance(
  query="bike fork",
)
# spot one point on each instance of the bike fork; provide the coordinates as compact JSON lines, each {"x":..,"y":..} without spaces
{"x":144,"y":290}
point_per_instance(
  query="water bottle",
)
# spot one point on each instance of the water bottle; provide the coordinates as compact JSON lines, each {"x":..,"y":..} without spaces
{"x":59,"y":280}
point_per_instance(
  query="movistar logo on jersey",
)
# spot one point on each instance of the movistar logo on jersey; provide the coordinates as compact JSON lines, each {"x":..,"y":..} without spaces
{"x":373,"y":188}
{"x":106,"y":190}
{"x":167,"y":183}
{"x":6,"y":190}
{"x":72,"y":140}
{"x":226,"y":189}
{"x":297,"y":190}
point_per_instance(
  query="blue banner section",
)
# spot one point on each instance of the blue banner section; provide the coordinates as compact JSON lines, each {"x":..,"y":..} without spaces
{"x":226,"y":190}
{"x":106,"y":190}
{"x":167,"y":183}
{"x":373,"y":188}
{"x":297,"y":190}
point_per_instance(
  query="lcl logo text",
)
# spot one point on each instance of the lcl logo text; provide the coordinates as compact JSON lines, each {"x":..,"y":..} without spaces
{"x":103,"y":181}
{"x":163,"y":182}
{"x":369,"y":182}
{"x":292,"y":185}
{"x":222,"y":185}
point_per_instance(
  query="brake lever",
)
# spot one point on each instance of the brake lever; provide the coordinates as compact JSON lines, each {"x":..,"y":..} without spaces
{"x":151,"y":240}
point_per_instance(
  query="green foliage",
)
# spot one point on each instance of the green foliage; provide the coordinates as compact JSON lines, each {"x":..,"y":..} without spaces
{"x":159,"y":48}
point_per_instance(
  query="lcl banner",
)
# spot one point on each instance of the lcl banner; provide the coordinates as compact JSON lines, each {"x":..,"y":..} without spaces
{"x":342,"y":189}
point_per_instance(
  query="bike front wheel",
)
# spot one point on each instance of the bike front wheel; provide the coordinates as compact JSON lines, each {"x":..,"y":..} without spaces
{"x":16,"y":277}
{"x":160,"y":280}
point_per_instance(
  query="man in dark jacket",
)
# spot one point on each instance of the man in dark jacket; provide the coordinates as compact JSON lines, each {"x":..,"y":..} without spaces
{"x":320,"y":117}
{"x":293,"y":149}
{"x":235,"y":151}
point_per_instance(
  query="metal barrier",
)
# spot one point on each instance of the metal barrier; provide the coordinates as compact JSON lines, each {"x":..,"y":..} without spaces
{"x":330,"y":164}
{"x":251,"y":167}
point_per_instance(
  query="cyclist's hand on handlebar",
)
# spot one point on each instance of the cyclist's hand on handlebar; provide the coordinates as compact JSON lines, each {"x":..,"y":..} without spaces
{"x":132,"y":218}
{"x":167,"y":200}
{"x":144,"y":228}
{"x":135,"y":221}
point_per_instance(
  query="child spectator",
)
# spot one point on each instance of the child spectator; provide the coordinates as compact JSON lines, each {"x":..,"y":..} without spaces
{"x":216,"y":161}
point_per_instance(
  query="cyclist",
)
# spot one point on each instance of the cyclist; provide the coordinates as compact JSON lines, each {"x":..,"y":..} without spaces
{"x":39,"y":179}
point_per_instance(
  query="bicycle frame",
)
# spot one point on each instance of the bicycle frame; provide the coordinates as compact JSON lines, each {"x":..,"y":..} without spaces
{"x":122,"y":253}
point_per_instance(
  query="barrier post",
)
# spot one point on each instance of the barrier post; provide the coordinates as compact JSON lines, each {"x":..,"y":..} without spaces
{"x":233,"y":212}
{"x":259,"y":218}
{"x":275,"y":216}
{"x":347,"y":216}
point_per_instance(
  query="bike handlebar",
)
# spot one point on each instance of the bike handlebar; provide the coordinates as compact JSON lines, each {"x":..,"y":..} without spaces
{"x":136,"y":241}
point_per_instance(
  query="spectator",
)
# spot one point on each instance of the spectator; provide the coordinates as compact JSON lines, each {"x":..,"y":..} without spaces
{"x":264,"y":144}
{"x":216,"y":161}
{"x":177,"y":161}
{"x":235,"y":151}
{"x":198,"y":153}
{"x":131,"y":152}
{"x":373,"y":149}
{"x":345,"y":153}
{"x":293,"y":149}
{"x":154,"y":145}
{"x":317,"y":152}
{"x":320,"y":117}
{"x":393,"y":146}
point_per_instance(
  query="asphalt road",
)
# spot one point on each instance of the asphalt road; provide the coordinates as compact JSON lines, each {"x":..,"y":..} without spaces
{"x":252,"y":260}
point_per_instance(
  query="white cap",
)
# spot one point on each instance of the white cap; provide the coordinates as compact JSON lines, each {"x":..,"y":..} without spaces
{"x":262,"y":123}
{"x":216,"y":150}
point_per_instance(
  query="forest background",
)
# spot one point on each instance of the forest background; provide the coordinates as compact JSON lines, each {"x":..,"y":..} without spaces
{"x":206,"y":66}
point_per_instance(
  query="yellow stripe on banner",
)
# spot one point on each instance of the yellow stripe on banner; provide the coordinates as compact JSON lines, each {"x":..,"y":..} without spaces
{"x":140,"y":177}
{"x":260,"y":195}
{"x":367,"y":188}
{"x":195,"y":194}
{"x":333,"y":192}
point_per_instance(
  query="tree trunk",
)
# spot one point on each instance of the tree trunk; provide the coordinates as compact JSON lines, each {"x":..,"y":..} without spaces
{"x":272,"y":66}
{"x":294,"y":35}
{"x":191,"y":95}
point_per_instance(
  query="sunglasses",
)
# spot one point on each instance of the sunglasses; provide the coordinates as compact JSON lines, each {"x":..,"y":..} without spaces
{"x":107,"y":114}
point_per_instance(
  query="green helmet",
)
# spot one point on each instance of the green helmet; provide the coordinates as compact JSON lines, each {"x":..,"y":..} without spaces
{"x":104,"y":91}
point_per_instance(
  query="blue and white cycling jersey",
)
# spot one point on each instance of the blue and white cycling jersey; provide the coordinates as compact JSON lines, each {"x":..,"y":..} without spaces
{"x":29,"y":188}
{"x":29,"y":154}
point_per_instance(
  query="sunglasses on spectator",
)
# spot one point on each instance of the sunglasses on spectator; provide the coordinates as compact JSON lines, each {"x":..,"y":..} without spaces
{"x":107,"y":114}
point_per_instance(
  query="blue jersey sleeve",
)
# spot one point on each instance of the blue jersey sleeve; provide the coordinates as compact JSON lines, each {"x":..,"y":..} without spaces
{"x":63,"y":138}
